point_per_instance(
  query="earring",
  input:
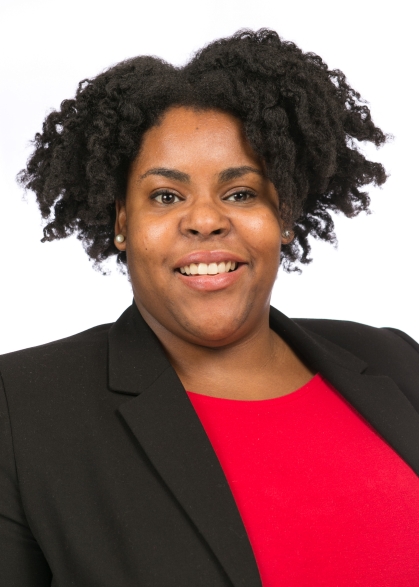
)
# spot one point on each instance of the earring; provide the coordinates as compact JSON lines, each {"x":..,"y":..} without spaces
{"x":119,"y":238}
{"x":286,"y":233}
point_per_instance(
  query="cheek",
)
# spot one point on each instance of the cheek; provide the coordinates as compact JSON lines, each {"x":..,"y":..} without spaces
{"x":264,"y":237}
{"x":149,"y":239}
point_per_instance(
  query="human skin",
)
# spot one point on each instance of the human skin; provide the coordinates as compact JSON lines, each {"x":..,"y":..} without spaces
{"x":197,"y":192}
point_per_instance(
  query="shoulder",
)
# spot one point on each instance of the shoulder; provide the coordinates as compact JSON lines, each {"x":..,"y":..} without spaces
{"x":387,"y":351}
{"x":359,"y":338}
{"x":68,"y":357}
{"x":75,"y":343}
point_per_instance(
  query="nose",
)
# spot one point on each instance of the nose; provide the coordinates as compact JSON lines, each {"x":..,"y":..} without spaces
{"x":205,"y":219}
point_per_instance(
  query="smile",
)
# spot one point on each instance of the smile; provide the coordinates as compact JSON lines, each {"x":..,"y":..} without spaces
{"x":212,"y":282}
{"x":208,"y":268}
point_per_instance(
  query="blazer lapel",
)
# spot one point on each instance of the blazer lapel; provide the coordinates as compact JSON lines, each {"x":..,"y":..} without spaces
{"x":166,"y":425}
{"x":376,"y":398}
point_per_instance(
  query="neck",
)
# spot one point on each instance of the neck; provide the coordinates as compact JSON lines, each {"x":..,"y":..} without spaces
{"x":239,"y":370}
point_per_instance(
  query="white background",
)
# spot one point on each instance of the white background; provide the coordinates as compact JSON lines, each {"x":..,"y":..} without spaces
{"x":48,"y":291}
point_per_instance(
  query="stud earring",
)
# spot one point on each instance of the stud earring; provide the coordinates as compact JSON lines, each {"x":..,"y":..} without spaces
{"x":286,"y":233}
{"x":119,"y":238}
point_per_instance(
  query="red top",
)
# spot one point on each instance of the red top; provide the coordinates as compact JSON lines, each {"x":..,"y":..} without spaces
{"x":324,"y":499}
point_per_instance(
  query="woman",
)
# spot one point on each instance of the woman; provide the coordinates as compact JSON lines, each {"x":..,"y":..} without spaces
{"x":205,"y":438}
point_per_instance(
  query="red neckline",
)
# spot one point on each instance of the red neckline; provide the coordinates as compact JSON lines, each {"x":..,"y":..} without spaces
{"x":292,"y":395}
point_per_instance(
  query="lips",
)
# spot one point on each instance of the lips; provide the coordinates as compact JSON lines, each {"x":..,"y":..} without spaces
{"x":212,"y":270}
{"x":212,"y":283}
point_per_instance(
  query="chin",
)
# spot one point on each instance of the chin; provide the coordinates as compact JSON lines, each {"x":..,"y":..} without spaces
{"x":216,"y":328}
{"x":214,"y":337}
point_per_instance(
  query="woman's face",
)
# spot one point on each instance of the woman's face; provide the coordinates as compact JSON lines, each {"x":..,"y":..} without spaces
{"x":197,"y":203}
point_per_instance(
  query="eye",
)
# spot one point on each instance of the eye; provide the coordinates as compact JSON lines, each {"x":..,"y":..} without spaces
{"x":241,"y":196}
{"x":166,"y":198}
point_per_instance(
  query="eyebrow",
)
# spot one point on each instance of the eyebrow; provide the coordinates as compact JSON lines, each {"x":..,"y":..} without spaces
{"x":169,"y":173}
{"x":225,"y":175}
{"x":237,"y":172}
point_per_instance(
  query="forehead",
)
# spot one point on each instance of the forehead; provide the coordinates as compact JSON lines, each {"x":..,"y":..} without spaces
{"x":186,"y":136}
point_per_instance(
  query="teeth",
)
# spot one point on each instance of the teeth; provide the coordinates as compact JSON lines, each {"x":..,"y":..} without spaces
{"x":208,"y":269}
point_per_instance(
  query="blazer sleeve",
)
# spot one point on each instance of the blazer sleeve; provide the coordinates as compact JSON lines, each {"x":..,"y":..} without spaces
{"x":22,"y":563}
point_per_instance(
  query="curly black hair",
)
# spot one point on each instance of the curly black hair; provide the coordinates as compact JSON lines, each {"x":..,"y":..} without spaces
{"x":301,"y":118}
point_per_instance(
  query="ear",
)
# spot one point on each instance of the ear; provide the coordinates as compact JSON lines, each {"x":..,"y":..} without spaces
{"x":121,"y":224}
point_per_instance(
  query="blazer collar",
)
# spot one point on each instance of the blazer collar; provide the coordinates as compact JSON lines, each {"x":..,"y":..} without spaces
{"x":166,"y":425}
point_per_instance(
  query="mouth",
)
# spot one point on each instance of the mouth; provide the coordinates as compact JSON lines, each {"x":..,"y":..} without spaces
{"x":209,"y":268}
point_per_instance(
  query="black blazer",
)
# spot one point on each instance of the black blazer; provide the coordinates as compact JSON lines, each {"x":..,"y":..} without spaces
{"x":107,"y":477}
